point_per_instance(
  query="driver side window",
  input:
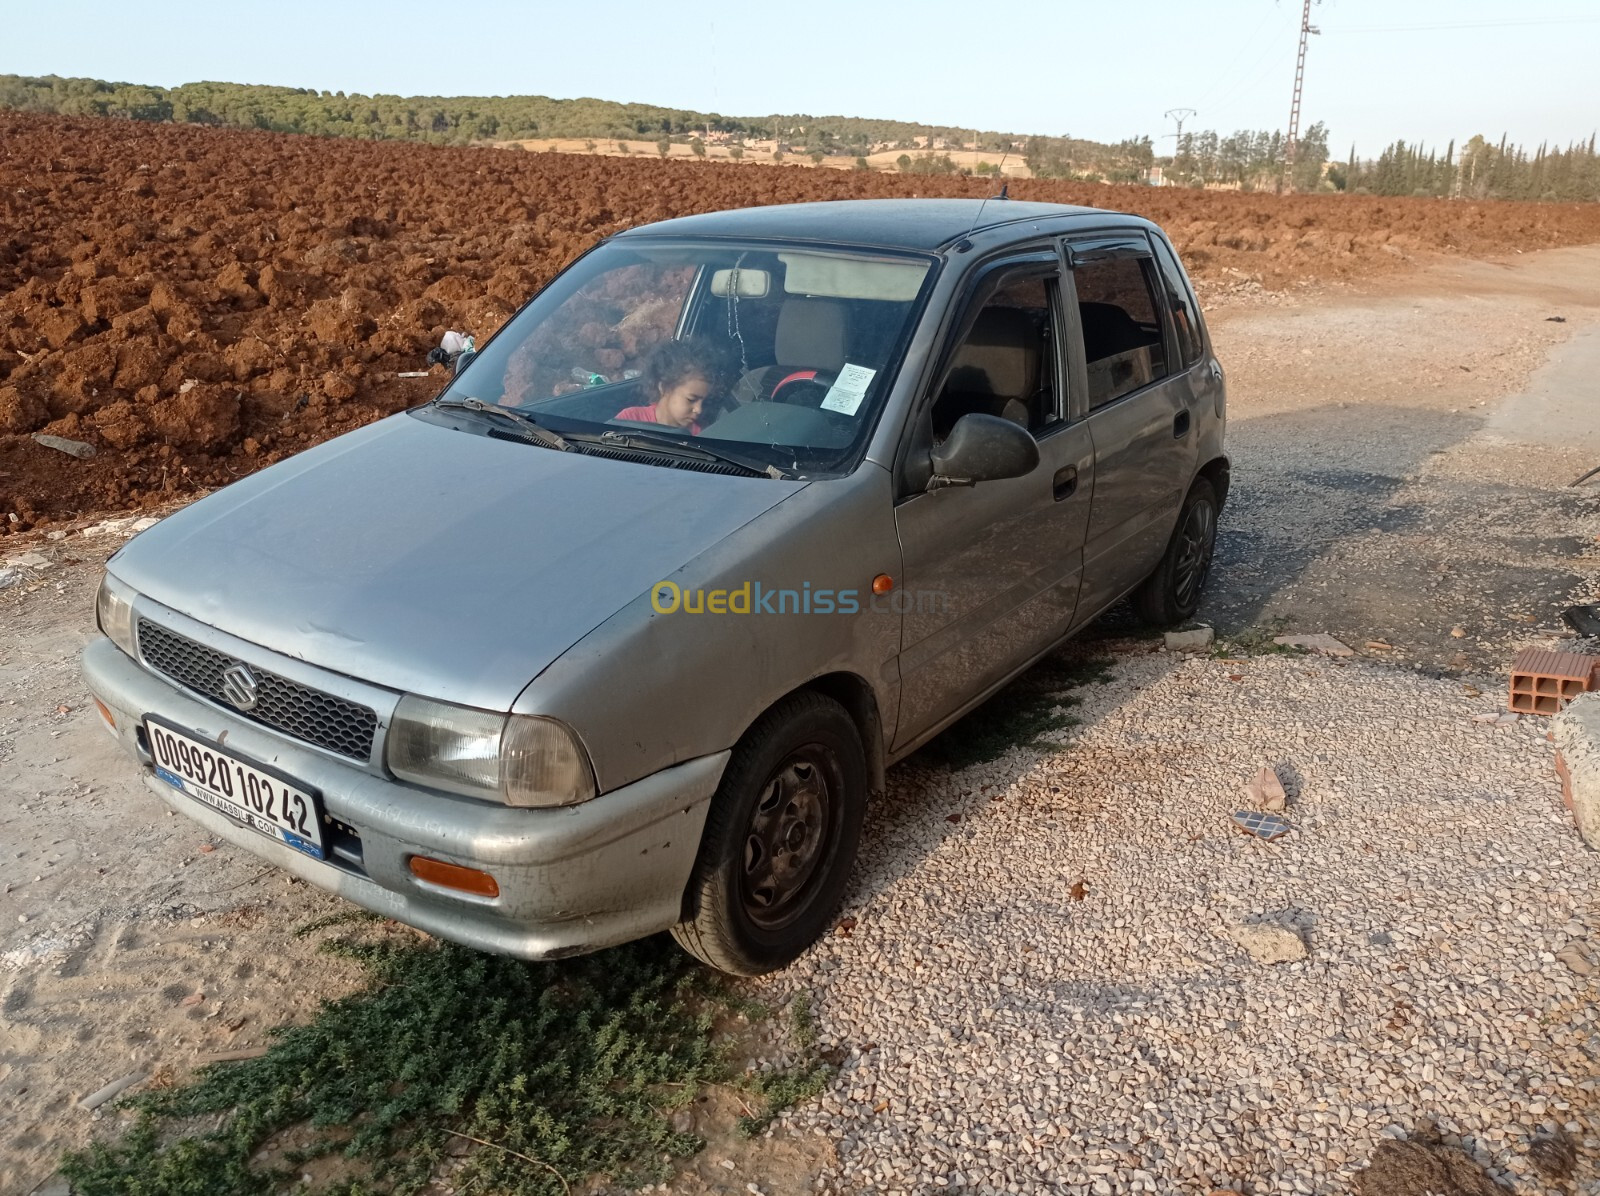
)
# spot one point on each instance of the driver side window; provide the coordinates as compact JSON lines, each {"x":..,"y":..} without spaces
{"x":1005,"y":364}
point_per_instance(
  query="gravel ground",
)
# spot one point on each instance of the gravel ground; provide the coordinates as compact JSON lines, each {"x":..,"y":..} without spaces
{"x":1004,"y":1036}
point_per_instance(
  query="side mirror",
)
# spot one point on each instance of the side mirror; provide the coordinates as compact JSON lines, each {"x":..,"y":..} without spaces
{"x":983,"y":448}
{"x":462,"y":358}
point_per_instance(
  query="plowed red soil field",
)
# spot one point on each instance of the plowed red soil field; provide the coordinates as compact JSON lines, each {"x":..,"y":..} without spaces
{"x":197,"y":303}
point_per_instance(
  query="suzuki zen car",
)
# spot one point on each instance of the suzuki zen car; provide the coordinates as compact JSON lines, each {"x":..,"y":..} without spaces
{"x":620,"y":632}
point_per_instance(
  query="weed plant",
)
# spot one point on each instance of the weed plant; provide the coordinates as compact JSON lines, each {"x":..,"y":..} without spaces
{"x":558,"y":1071}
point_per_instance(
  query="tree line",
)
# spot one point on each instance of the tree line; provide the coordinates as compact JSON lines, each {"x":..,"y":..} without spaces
{"x":461,"y":120}
{"x":1482,"y":170}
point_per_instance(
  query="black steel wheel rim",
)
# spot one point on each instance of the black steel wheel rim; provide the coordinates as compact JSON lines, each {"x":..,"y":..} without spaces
{"x":1196,"y":541}
{"x":791,"y":829}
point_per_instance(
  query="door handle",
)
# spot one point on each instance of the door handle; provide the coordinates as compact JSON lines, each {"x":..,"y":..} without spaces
{"x":1180,"y":424}
{"x":1066,"y":481}
{"x":1216,"y":372}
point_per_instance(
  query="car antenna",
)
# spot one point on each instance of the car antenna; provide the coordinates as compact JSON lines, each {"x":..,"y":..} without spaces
{"x":965,"y":243}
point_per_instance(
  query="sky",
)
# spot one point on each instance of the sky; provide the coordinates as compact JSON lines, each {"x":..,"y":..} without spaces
{"x":1379,"y":71}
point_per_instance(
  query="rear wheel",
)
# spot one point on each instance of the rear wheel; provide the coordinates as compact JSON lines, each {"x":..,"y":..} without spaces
{"x":780,"y":839}
{"x":1172,"y":593}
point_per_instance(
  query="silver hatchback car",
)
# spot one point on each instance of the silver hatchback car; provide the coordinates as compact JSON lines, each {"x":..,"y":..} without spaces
{"x":619,"y":633}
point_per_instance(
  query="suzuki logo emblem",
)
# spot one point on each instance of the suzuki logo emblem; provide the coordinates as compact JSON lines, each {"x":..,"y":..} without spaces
{"x":239,"y":686}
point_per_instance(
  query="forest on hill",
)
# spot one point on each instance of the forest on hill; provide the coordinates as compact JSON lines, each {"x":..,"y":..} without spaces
{"x":456,"y":120}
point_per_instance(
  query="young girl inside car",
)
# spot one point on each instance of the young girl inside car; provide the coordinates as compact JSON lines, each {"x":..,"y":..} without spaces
{"x":680,"y":377}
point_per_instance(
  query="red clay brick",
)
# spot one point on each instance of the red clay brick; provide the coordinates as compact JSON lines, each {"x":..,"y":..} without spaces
{"x":1543,"y":682}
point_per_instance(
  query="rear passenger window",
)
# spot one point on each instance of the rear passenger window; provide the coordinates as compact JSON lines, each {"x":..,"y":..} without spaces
{"x":1180,"y":300}
{"x":1122,"y":339}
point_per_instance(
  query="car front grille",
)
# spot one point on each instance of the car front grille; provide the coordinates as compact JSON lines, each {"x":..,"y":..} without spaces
{"x":307,"y":714}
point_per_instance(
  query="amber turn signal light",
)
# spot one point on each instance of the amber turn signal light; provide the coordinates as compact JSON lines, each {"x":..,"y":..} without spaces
{"x":454,"y":876}
{"x":882,"y":584}
{"x":105,"y":713}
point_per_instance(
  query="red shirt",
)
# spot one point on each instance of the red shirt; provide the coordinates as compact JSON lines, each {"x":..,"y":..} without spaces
{"x":647,"y":415}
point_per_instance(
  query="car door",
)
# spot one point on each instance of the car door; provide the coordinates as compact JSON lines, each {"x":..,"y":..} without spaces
{"x":991,"y":571}
{"x":1141,"y":412}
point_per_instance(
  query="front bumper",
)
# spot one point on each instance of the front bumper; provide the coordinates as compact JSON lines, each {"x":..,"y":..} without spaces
{"x":571,"y":880}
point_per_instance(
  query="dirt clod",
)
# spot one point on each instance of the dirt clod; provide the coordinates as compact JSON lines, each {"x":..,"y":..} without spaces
{"x":1403,"y":1167}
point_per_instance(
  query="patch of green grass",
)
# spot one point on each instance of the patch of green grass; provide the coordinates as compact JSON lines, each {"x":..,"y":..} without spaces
{"x":802,"y":1023}
{"x":574,"y":1066}
{"x":783,"y":1089}
{"x":1257,"y":641}
{"x":1020,"y":715}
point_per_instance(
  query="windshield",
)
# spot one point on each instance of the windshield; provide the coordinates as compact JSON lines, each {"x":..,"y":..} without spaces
{"x":774,"y":353}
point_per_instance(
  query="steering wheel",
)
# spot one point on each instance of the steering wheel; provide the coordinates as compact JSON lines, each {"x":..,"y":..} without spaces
{"x":802,"y":388}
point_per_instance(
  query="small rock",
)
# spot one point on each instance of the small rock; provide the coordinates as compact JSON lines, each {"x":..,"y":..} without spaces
{"x":192,"y":999}
{"x":31,"y":560}
{"x":1269,"y":944}
{"x":1320,"y":642}
{"x":73,"y":448}
{"x":683,"y":1121}
{"x":9,"y":578}
{"x":1574,"y":956}
{"x":1265,"y":791}
{"x":1190,"y":639}
{"x":727,"y":1163}
{"x":1458,"y":633}
{"x":144,"y":524}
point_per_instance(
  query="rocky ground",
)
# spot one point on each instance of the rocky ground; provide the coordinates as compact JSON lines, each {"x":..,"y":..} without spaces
{"x":1063,"y":970}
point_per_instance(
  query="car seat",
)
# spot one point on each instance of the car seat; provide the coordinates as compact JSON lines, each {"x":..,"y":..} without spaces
{"x":1109,"y":330}
{"x":811,"y":335}
{"x":996,"y":371}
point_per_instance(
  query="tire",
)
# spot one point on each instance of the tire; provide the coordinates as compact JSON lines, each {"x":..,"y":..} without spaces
{"x":780,"y":839}
{"x":1171,"y":594}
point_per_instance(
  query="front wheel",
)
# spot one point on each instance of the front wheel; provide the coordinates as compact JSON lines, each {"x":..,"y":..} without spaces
{"x":780,"y":839}
{"x":1171,"y":594}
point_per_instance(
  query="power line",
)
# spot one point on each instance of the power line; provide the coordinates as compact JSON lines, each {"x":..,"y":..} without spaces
{"x":1466,"y":25}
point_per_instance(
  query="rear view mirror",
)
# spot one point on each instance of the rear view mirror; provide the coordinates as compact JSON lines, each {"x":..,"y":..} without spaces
{"x":745,"y":284}
{"x":463,"y":358}
{"x":983,"y":448}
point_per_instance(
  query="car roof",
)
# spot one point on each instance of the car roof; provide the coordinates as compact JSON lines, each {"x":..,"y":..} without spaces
{"x":890,"y":223}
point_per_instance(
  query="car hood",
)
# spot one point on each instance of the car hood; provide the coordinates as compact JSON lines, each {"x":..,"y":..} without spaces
{"x":433,"y":560}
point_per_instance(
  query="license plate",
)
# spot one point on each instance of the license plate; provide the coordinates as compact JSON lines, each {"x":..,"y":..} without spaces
{"x":262,"y":800}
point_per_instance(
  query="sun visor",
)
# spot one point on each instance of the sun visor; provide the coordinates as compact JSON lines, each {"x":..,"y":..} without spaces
{"x":851,"y":278}
{"x":752,"y":284}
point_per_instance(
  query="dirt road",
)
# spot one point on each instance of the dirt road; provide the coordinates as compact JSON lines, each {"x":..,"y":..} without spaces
{"x":1400,"y":453}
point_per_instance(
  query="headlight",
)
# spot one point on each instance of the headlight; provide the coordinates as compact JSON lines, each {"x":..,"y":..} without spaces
{"x":518,"y":759}
{"x":113,"y":609}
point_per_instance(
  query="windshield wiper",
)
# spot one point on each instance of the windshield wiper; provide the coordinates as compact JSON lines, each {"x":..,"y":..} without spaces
{"x":631,"y":439}
{"x":526,"y":424}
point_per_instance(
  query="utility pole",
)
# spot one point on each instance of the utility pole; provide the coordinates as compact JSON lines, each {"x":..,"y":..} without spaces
{"x":1306,"y":30}
{"x":1178,"y":116}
